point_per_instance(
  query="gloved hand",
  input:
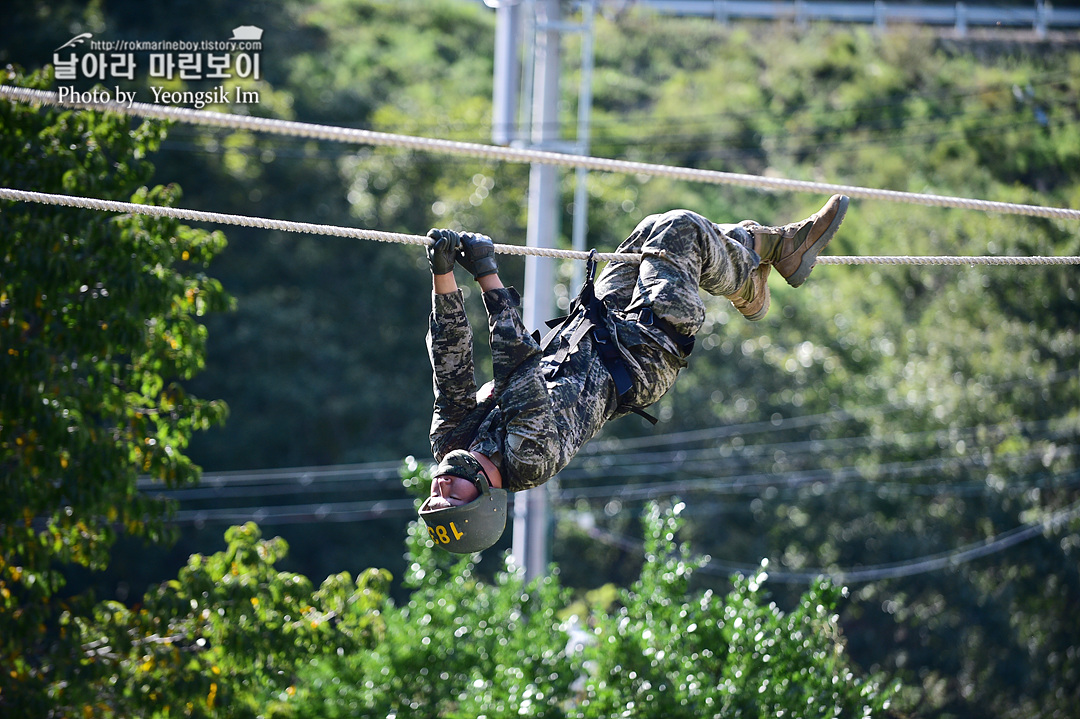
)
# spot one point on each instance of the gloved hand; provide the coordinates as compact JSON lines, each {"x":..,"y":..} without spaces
{"x":442,"y":252}
{"x":477,"y":254}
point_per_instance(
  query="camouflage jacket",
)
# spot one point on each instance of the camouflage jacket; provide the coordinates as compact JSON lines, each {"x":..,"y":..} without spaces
{"x":534,"y":416}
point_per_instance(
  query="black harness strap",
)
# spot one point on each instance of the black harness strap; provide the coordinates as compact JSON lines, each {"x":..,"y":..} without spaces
{"x":594,"y":315}
{"x":645,"y":316}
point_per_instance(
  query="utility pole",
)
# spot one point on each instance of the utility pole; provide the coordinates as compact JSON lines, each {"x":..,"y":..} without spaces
{"x":532,"y":524}
{"x":504,"y":100}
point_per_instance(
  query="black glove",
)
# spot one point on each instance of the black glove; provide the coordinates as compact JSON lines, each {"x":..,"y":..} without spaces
{"x":442,"y":252}
{"x":477,"y":254}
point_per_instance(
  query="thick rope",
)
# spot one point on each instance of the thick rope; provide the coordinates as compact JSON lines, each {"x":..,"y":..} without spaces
{"x":511,"y":154}
{"x":264,"y":223}
{"x":944,"y":260}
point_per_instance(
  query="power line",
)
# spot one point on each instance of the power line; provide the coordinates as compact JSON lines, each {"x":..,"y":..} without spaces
{"x":672,"y":460}
{"x":796,"y":143}
{"x":389,"y":508}
{"x":609,"y":456}
{"x":609,"y":446}
{"x":624,"y":456}
{"x":304,"y":476}
{"x":878,"y":572}
{"x":755,"y":483}
{"x":751,"y":484}
{"x":300,"y":513}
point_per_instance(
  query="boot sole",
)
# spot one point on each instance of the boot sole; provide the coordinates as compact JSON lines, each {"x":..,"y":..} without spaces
{"x":809,"y":258}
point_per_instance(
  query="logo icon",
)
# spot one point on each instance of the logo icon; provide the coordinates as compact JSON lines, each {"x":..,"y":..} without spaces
{"x":81,"y":38}
{"x":247,"y":32}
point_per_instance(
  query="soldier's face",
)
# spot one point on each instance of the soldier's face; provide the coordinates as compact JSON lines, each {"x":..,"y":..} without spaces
{"x":449,"y":491}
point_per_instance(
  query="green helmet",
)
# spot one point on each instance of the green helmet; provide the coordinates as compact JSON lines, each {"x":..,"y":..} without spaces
{"x":470,"y":527}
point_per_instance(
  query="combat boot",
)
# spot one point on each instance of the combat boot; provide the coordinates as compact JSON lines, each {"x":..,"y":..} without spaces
{"x":793,"y":249}
{"x":752,"y":299}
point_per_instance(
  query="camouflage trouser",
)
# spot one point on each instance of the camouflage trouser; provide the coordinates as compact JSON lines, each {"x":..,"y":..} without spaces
{"x":696,"y":253}
{"x":683,"y":252}
{"x":540,"y":415}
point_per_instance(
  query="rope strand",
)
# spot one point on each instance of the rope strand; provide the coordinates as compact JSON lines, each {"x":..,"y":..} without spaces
{"x":944,"y":260}
{"x":523,"y":155}
{"x":264,"y":223}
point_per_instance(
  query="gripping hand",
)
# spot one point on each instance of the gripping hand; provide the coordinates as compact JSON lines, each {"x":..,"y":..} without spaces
{"x":442,"y":252}
{"x":477,"y":254}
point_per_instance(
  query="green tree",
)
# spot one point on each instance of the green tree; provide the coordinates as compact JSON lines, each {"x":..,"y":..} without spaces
{"x":100,"y":323}
{"x":226,"y":638}
{"x":463,"y":647}
{"x":668,"y":653}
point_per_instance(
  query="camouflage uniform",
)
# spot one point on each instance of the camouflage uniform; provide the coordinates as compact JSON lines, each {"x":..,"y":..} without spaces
{"x":539,"y":411}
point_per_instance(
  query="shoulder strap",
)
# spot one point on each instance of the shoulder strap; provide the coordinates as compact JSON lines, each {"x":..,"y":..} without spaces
{"x":593,"y":313}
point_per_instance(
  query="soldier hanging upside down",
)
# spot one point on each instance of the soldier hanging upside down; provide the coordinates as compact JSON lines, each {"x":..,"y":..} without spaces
{"x":620,"y":350}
